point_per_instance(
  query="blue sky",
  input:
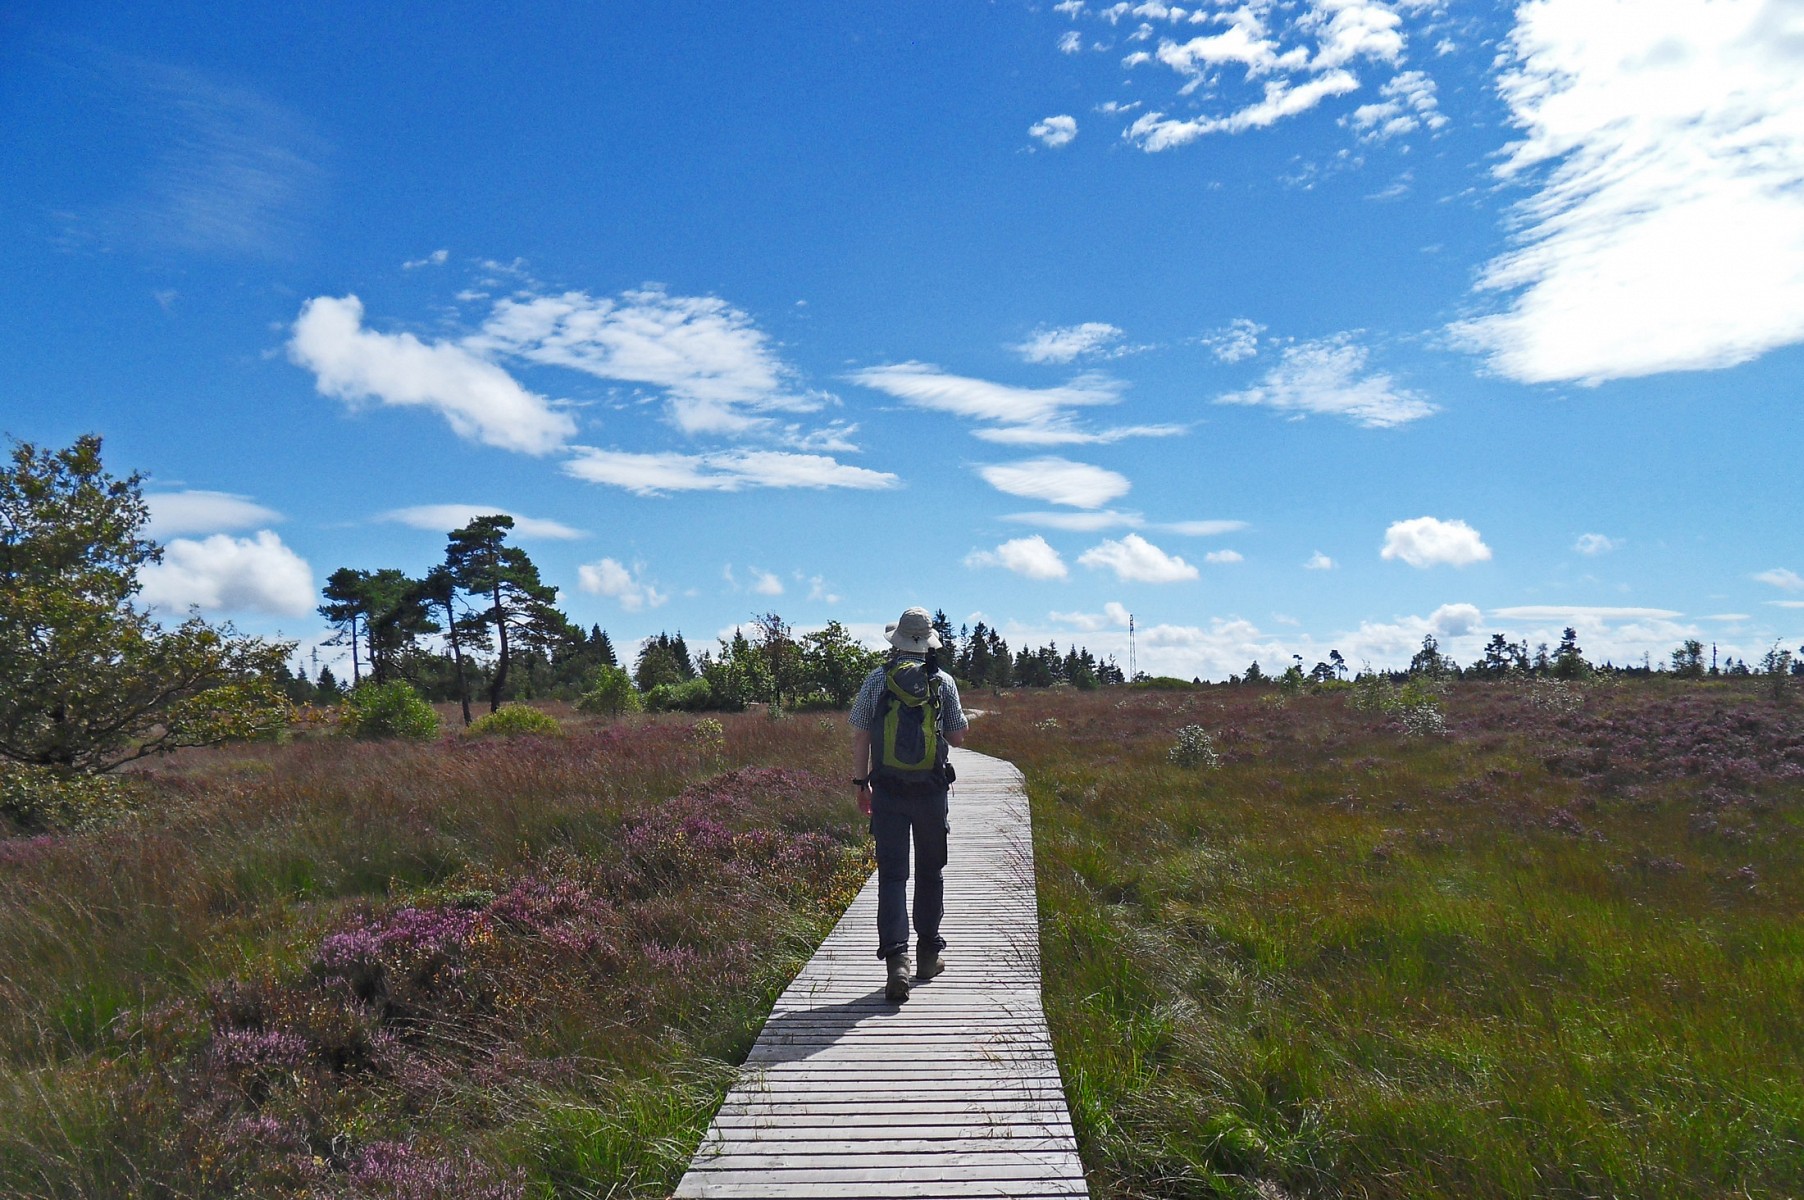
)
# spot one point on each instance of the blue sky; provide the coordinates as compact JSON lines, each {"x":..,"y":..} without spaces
{"x":1281,"y":326}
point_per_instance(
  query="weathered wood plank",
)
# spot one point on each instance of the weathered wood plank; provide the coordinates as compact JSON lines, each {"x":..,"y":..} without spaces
{"x":953,"y":1094}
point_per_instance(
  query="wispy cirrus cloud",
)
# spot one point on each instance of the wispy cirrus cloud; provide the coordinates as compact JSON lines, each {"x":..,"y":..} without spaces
{"x":1330,"y":377}
{"x":654,"y":474}
{"x":1019,"y":416}
{"x":1057,"y":481}
{"x":1092,"y":522}
{"x":1665,"y":231}
{"x":442,"y":518}
{"x":1063,"y":343}
{"x":1782,"y":578}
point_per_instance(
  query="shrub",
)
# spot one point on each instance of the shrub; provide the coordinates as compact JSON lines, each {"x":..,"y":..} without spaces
{"x":1194,"y":748}
{"x":611,"y":693}
{"x":37,"y":798}
{"x":693,"y":696}
{"x":511,"y":719}
{"x":388,"y":710}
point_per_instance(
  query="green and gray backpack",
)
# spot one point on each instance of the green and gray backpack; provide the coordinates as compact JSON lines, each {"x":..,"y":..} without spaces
{"x":911,"y":748}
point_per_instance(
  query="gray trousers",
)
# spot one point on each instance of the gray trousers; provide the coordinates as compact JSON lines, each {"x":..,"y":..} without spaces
{"x":901,"y":813}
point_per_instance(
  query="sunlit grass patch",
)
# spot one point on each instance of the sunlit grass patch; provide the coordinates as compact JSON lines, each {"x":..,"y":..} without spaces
{"x":1552,"y":951}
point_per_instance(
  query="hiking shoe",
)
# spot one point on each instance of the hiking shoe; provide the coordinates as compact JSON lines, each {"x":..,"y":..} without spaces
{"x":896,"y":990}
{"x":929,"y":963}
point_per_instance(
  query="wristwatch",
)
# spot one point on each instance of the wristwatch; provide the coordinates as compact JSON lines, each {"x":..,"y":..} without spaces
{"x":861,"y":782}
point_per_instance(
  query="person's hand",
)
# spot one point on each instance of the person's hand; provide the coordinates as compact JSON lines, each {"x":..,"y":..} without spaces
{"x":864,"y":799}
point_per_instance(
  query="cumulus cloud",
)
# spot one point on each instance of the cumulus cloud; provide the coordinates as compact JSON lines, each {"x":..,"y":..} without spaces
{"x":435,"y":259}
{"x":1666,"y":228}
{"x":226,"y":574}
{"x":1430,"y":542}
{"x":765,"y":583}
{"x":1224,"y":556}
{"x":609,"y":577}
{"x":1114,"y":615}
{"x":1070,"y":42}
{"x":1455,"y":620}
{"x":1329,"y":377}
{"x":1238,"y":340}
{"x":1782,"y":578}
{"x":1032,"y":557}
{"x":1135,"y":559}
{"x":1054,"y":132}
{"x":1016,"y":415}
{"x":1061,"y":344}
{"x":1593,"y":544}
{"x":718,"y":370}
{"x":176,"y":513}
{"x":481,"y":401}
{"x":1057,"y":481}
{"x":443,"y":518}
{"x":1319,"y":562}
{"x":722,"y":471}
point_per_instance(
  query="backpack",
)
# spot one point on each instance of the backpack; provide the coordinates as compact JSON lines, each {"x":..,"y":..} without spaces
{"x":911,"y":748}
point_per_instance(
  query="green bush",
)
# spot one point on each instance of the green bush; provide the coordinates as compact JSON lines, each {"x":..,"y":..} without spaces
{"x":388,"y":710}
{"x":693,"y":696}
{"x":511,"y":719}
{"x":611,"y":693}
{"x":37,"y":799}
{"x":1194,"y":748}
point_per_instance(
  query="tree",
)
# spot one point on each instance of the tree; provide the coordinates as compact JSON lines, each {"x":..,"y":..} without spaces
{"x":516,"y":606}
{"x":1688,"y":660}
{"x":834,"y":662}
{"x":1568,"y":660}
{"x":1339,"y":663}
{"x":1429,"y":661}
{"x":87,"y":680}
{"x":782,"y":657}
{"x":439,"y":588}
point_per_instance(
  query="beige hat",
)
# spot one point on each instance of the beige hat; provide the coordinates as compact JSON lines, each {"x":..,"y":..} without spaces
{"x":913,"y":631}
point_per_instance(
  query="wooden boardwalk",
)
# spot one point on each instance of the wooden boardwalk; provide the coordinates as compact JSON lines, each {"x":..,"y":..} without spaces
{"x":953,"y":1093}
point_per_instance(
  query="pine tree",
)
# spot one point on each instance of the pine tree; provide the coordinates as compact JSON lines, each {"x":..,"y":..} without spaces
{"x":512,"y":602}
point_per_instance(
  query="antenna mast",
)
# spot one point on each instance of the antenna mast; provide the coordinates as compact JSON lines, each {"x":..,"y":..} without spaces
{"x":1133,"y":665}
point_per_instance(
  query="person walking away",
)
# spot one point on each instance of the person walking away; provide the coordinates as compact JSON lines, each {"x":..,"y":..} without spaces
{"x":906,"y":715}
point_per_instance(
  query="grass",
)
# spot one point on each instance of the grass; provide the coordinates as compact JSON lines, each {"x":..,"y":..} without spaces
{"x":466,"y":967}
{"x":1554,"y":952}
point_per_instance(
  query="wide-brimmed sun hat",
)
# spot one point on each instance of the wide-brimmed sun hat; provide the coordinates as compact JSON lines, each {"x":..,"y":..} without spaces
{"x":913,"y":631}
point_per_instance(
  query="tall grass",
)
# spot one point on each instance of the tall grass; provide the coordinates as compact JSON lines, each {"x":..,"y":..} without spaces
{"x":469,"y":967}
{"x":1555,"y":952}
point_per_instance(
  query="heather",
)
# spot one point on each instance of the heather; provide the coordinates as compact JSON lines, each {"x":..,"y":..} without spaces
{"x":1313,"y":943}
{"x":462,"y":967}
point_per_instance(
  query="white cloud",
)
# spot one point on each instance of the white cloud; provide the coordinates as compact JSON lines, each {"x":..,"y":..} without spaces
{"x":719,"y":372}
{"x":1135,"y":559}
{"x":435,"y":259}
{"x":443,"y":518}
{"x":1455,"y":620}
{"x":1579,"y":614}
{"x":1029,"y":556}
{"x":1224,"y":556}
{"x":1329,"y":377}
{"x":1057,"y":481}
{"x":724,"y":471}
{"x":175,"y":513}
{"x":258,"y":574}
{"x":1202,"y":528}
{"x":1061,"y":344}
{"x":1155,"y":131}
{"x":1019,"y":415}
{"x":1071,"y":8}
{"x":1666,"y":143}
{"x":1409,"y":104}
{"x":1079,"y":522}
{"x":1319,"y":562}
{"x":1429,"y":542}
{"x":1786,"y":603}
{"x":1782,"y":578}
{"x":1054,"y":132}
{"x":1593,"y":544}
{"x":1071,"y":42}
{"x":608,"y":577}
{"x":765,"y":583}
{"x":1238,"y":340}
{"x":479,"y":399}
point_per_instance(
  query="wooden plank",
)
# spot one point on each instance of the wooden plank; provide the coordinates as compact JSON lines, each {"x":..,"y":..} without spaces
{"x":953,"y":1094}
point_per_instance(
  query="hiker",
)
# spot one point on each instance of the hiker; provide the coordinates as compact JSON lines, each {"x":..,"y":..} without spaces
{"x":905,"y":715}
